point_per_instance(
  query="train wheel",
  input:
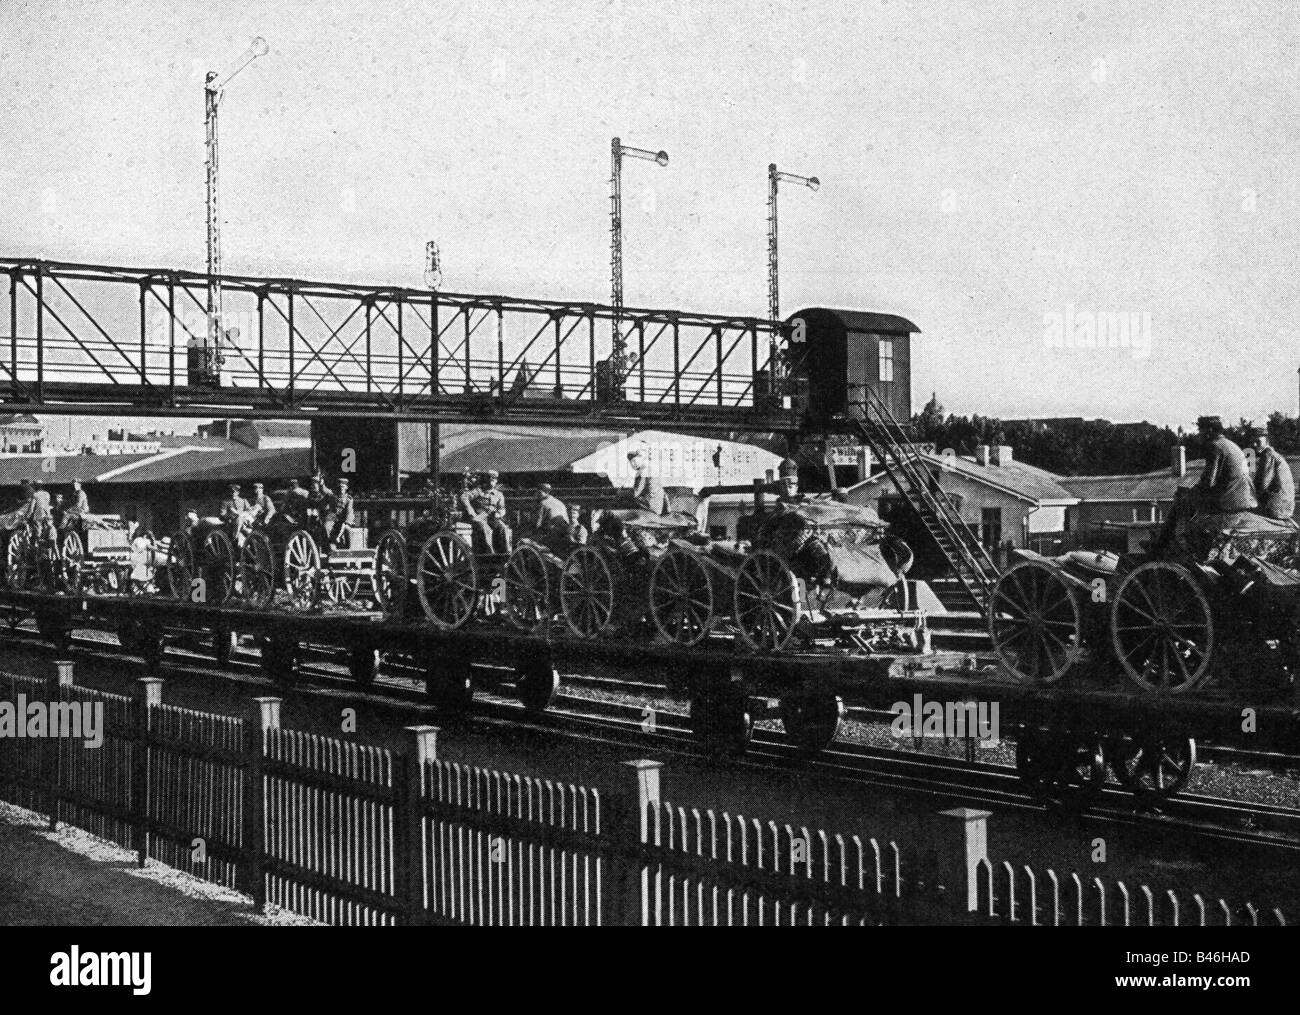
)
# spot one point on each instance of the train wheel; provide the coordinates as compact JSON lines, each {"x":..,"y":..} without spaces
{"x":17,"y":562}
{"x":218,"y":567}
{"x":279,"y":658}
{"x":363,"y":664}
{"x":390,"y":573}
{"x":446,"y":578}
{"x":301,"y":567}
{"x":1162,"y":628}
{"x":256,"y":571}
{"x":812,"y":720}
{"x":1154,"y":767}
{"x":681,"y":596}
{"x":536,"y":684}
{"x":54,"y":627}
{"x":720,"y":719}
{"x":1035,"y":622}
{"x":768,"y":603}
{"x":586,"y":592}
{"x":449,"y":684}
{"x":1059,"y":767}
{"x":180,"y":566}
{"x":72,"y":562}
{"x":528,"y":589}
{"x":224,"y":643}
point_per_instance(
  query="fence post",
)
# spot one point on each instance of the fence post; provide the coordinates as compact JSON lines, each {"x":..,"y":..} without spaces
{"x":265,"y":715}
{"x":410,"y":853}
{"x":52,"y":748}
{"x":636,"y":833}
{"x":961,"y":842}
{"x":148,"y":696}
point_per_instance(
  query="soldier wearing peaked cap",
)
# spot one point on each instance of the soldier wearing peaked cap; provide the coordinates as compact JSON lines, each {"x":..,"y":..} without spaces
{"x":1226,"y":483}
{"x":1274,"y":484}
{"x":789,"y":483}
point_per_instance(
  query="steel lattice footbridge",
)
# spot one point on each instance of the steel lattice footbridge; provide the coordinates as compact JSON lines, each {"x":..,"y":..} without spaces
{"x":93,"y":339}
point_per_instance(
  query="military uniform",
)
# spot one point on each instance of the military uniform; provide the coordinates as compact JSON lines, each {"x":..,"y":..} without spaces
{"x":1274,"y":485}
{"x":1226,"y":483}
{"x":488,"y":519}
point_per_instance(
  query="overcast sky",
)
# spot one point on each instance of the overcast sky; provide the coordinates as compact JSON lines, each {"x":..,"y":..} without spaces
{"x":981,"y":170}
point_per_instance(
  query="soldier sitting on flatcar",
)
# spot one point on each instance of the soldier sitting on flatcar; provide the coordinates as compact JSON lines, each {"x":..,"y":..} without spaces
{"x":488,"y":504}
{"x":234,"y":514}
{"x":294,"y":505}
{"x":576,"y":532}
{"x":1274,"y":484}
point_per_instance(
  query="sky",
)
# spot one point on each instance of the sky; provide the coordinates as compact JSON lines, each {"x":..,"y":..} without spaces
{"x":995,"y":174}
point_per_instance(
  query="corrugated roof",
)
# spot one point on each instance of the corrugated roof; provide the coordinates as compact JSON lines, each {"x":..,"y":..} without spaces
{"x":1018,"y":478}
{"x":66,"y":468}
{"x":234,"y":462}
{"x":516,"y":454}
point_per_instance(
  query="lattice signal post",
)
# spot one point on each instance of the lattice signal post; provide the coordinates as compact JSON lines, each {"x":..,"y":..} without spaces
{"x":213,"y":89}
{"x":774,"y":176}
{"x":618,"y":363}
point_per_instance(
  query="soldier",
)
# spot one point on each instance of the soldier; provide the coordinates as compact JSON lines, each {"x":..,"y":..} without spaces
{"x":35,"y":509}
{"x":577,"y":532}
{"x":489,"y":507}
{"x":80,"y":502}
{"x":1225,"y":485}
{"x":1274,"y":484}
{"x":320,"y":500}
{"x":59,"y":510}
{"x":234,"y":514}
{"x":261,"y":509}
{"x":647,"y":492}
{"x":342,"y":518}
{"x":552,"y":518}
{"x":789,"y":483}
{"x":469,"y":490}
{"x":295,"y":503}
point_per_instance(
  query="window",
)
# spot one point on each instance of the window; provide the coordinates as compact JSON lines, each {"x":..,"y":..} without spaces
{"x":886,"y":372}
{"x":991,"y":527}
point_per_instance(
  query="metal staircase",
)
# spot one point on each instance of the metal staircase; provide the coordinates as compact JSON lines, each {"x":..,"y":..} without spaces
{"x":912,"y":477}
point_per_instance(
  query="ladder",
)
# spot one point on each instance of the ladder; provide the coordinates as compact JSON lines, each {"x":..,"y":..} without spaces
{"x":912,"y":478}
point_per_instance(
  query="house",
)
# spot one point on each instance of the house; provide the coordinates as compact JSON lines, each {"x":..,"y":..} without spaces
{"x":1003,"y":501}
{"x":21,"y":434}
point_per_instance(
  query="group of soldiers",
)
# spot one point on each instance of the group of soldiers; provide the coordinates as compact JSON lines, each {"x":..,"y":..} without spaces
{"x":1229,"y":486}
{"x":332,"y":510}
{"x":45,"y":516}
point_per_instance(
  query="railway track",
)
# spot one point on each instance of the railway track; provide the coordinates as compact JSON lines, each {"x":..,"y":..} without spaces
{"x":621,"y":724}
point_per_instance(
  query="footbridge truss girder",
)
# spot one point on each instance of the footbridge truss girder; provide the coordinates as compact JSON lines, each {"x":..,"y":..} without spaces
{"x":93,"y":339}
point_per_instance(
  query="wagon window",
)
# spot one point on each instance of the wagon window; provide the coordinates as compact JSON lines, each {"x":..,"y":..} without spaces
{"x":886,"y":347}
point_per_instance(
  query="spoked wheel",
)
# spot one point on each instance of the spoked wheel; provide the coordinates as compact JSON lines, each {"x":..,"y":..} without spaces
{"x":180,"y":565}
{"x":256,"y":571}
{"x":767,"y":602}
{"x":1060,"y":767}
{"x":586,"y":592}
{"x":219,"y":566}
{"x":20,"y":569}
{"x":390,"y":573}
{"x":720,"y":719}
{"x":72,"y":562}
{"x":681,"y":596}
{"x":446,"y":577}
{"x":812,"y":720}
{"x":1154,"y":767}
{"x":528,"y":589}
{"x":1035,"y":622}
{"x":301,"y":566}
{"x":536,"y":684}
{"x":1162,"y":628}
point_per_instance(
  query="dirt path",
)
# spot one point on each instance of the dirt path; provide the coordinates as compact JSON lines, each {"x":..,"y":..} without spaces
{"x":71,"y":878}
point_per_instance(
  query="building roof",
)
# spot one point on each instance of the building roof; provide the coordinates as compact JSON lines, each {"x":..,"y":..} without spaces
{"x":66,"y":468}
{"x":1028,"y":482}
{"x":517,"y":454}
{"x":233,"y":463}
{"x":22,"y":421}
{"x":866,"y":320}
